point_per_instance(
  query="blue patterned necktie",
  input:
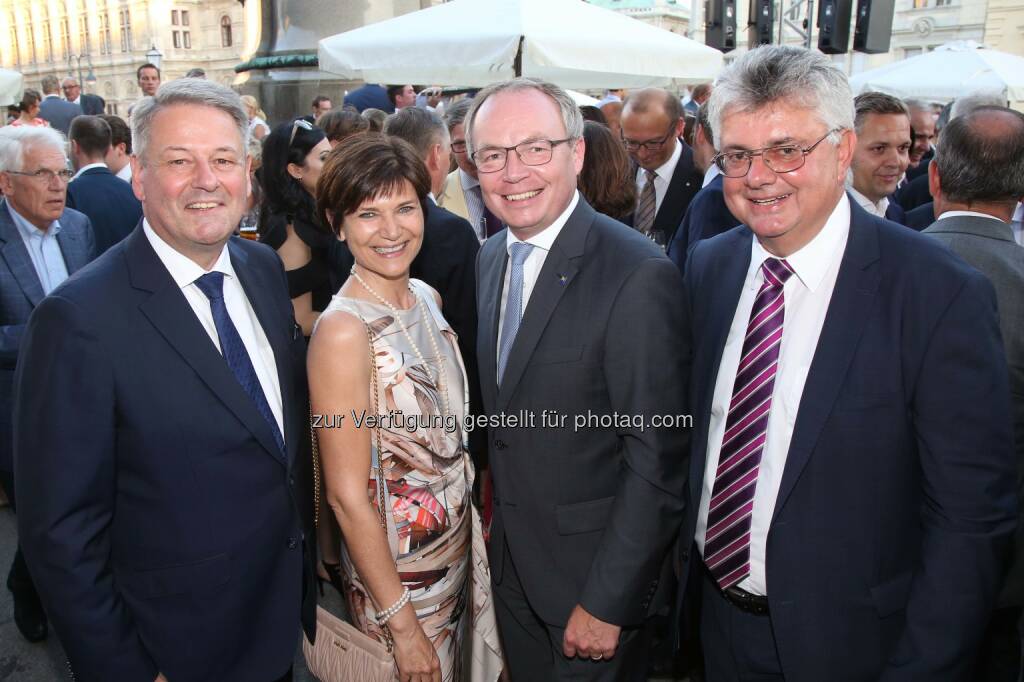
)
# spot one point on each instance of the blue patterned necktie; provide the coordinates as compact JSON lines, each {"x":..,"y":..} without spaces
{"x":233,"y":350}
{"x":514,"y":304}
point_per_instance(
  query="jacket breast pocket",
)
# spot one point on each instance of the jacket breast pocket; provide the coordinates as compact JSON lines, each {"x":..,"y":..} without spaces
{"x":198,"y":576}
{"x":583,"y":517}
{"x":552,"y":356}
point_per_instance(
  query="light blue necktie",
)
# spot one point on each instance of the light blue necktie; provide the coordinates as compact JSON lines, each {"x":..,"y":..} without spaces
{"x":513,"y":306}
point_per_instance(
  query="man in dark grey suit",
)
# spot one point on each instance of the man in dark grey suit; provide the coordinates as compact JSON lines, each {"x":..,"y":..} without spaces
{"x":92,"y":105}
{"x":976,"y":178}
{"x":579,"y":321}
{"x":41,"y":243}
{"x":56,"y":111}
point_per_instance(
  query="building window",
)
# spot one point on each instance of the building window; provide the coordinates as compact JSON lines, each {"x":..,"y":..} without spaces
{"x":47,"y":41}
{"x":225,"y":31}
{"x":14,"y":39}
{"x":920,"y":4}
{"x":174,"y":17}
{"x":65,"y":37}
{"x":943,"y":3}
{"x":105,"y":43}
{"x":187,"y":39}
{"x":83,"y":29}
{"x":184,"y":17}
{"x":176,"y":38}
{"x":911,"y":52}
{"x":30,"y":41}
{"x":125,"y":20}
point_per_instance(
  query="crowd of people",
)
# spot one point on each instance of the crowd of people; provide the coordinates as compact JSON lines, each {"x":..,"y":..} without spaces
{"x":732,"y":387}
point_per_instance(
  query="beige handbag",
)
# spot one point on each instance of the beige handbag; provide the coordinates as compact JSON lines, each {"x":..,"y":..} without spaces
{"x":341,"y":652}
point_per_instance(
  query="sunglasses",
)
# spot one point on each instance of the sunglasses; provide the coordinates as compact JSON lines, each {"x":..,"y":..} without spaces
{"x":299,"y":123}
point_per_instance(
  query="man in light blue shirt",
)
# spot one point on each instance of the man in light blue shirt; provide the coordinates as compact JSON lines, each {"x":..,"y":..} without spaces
{"x":41,"y":243}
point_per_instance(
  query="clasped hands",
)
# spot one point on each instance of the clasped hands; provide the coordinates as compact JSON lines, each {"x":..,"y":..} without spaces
{"x":589,"y":637}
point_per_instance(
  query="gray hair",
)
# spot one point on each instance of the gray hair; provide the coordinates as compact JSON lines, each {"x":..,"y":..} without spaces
{"x":780,"y":73}
{"x":969,"y":103}
{"x":196,"y":91}
{"x":914,"y":104}
{"x":572,"y":118}
{"x":15,"y":139}
{"x":456,"y":113}
{"x":980,"y":159}
{"x":419,"y":127}
{"x":50,"y":84}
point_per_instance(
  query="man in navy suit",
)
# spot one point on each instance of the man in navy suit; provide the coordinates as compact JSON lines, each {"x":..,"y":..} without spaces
{"x":168,"y":519}
{"x":882,"y":124}
{"x":41,"y":243}
{"x":853,"y":481}
{"x":95,"y":191}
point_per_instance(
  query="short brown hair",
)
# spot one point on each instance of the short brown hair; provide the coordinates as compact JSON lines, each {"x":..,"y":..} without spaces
{"x":604,"y":182}
{"x":876,"y":103}
{"x":338,"y":124}
{"x":364,"y":167}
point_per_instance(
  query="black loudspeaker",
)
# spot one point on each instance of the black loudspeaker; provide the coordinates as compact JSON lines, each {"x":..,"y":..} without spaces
{"x":874,"y":26}
{"x":759,"y":23}
{"x":720,"y":24}
{"x":834,"y":26}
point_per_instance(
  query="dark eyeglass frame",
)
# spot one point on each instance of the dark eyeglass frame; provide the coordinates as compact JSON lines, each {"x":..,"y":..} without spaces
{"x":648,"y":145}
{"x":65,"y":174}
{"x":719,"y":159}
{"x":515,"y":148}
{"x":459,"y":147}
{"x":296,"y":124}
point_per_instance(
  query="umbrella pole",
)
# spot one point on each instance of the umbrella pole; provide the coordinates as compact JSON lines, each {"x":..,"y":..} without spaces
{"x":517,"y":63}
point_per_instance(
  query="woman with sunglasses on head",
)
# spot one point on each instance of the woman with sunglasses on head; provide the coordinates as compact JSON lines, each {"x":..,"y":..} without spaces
{"x":293,"y":154}
{"x":414,"y":565}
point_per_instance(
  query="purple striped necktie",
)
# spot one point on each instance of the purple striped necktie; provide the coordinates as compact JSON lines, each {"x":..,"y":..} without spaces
{"x":727,"y":541}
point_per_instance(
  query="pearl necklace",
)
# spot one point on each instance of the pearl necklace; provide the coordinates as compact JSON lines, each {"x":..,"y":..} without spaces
{"x":438,"y":381}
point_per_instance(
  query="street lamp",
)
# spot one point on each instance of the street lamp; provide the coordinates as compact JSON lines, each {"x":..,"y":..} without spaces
{"x":154,"y":56}
{"x":91,"y":78}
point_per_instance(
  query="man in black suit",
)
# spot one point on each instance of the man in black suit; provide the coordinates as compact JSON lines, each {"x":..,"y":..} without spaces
{"x":95,"y":191}
{"x":92,"y":105}
{"x":666,"y":176}
{"x":708,"y":213}
{"x":168,"y":521}
{"x":57,"y":112}
{"x":882,"y":124}
{"x":853,"y":479}
{"x":579,"y":325}
{"x":976,"y":178}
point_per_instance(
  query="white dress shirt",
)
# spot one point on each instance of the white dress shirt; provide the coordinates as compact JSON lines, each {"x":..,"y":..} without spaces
{"x":1017,"y":223}
{"x":125,"y":173}
{"x":44,"y":250}
{"x":542,"y":242}
{"x":876,"y":209}
{"x":807,"y":297}
{"x":185,"y":272}
{"x":710,"y":174}
{"x":87,"y":167}
{"x":968,"y":214}
{"x":661,"y":182}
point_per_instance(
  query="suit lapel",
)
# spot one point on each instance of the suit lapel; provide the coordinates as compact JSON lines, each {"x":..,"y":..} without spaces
{"x":72,"y":245}
{"x":14,"y":253}
{"x":560,"y":267}
{"x":169,"y":311}
{"x":848,"y":313}
{"x":681,"y":188}
{"x":493,"y":261}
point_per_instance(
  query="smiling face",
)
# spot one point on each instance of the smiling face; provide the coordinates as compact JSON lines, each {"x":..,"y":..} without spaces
{"x":309,"y":172}
{"x":784,"y":210}
{"x":194,"y":180}
{"x":385,"y":233}
{"x":880,"y":158}
{"x":653,"y":126}
{"x":526,"y":198}
{"x":40,"y":201}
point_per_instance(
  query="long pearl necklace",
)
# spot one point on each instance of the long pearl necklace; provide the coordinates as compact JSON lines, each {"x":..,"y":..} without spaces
{"x":439,"y":383}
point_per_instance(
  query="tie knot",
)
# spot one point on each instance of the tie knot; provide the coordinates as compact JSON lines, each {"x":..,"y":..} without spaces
{"x":520,"y":251}
{"x":211,"y":284}
{"x":651,"y":175}
{"x":776,"y":271}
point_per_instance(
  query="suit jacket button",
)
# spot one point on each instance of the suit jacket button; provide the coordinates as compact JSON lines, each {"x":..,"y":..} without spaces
{"x":500,"y":444}
{"x":291,"y":481}
{"x":292,"y":543}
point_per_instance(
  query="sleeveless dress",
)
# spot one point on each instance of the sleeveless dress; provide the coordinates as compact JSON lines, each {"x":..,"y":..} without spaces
{"x":433,"y":528}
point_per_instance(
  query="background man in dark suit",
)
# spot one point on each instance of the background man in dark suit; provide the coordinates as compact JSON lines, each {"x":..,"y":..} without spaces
{"x":95,"y":191}
{"x":707,"y":214}
{"x":853,"y":477}
{"x":41,"y":243}
{"x":92,"y":105}
{"x":882,"y":124}
{"x":652,"y":128}
{"x":976,"y":177}
{"x":168,"y":521}
{"x":53,"y":109}
{"x":579,"y":318}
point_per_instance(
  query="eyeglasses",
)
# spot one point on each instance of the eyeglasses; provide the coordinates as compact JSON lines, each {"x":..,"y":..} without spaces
{"x":459,"y":147}
{"x":46,"y":175}
{"x":531,"y":153}
{"x":296,"y":124}
{"x":782,"y":159}
{"x":649,"y":145}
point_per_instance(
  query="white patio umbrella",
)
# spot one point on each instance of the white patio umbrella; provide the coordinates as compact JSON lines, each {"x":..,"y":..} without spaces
{"x":949,"y":71}
{"x":476,"y":42}
{"x":11,"y":85}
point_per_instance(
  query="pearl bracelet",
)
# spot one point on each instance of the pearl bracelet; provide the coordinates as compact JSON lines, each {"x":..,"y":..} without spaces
{"x":386,"y":615}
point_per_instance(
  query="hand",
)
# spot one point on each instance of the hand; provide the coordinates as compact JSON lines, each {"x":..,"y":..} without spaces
{"x":415,"y":656}
{"x":588,"y":637}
